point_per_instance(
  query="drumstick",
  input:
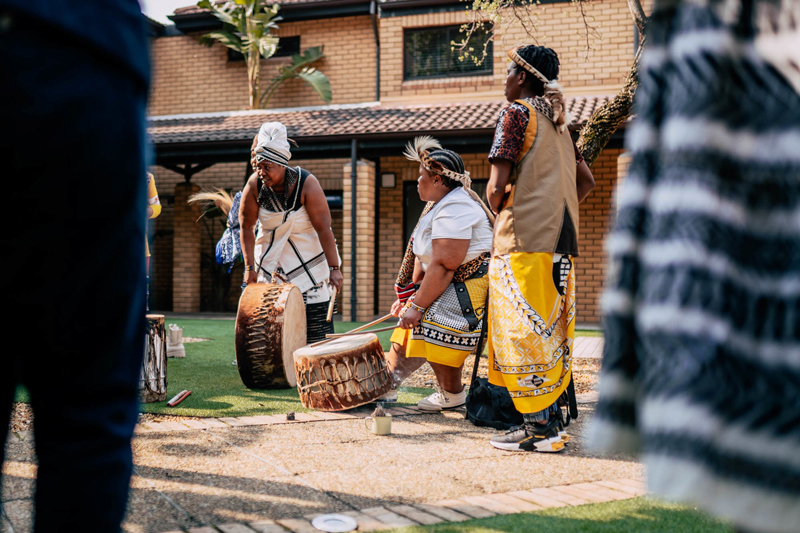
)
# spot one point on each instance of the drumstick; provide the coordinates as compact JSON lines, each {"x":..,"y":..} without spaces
{"x":374,"y":322}
{"x":330,"y":306}
{"x":351,"y":333}
{"x":365,"y":326}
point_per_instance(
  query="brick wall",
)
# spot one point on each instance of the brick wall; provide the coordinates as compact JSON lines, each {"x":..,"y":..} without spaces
{"x":365,"y":241}
{"x":189,"y":78}
{"x":559,"y":26}
{"x":595,"y":219}
{"x":186,"y":251}
{"x":160,"y":233}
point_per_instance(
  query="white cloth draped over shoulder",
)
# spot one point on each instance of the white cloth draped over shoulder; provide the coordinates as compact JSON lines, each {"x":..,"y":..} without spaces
{"x":288,"y":250}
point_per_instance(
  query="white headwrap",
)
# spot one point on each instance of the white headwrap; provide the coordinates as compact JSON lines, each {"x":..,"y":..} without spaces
{"x":273,"y":144}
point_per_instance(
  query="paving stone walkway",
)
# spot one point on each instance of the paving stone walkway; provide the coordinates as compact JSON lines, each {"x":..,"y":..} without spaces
{"x":264,"y":473}
{"x":450,"y":511}
{"x":588,"y":347}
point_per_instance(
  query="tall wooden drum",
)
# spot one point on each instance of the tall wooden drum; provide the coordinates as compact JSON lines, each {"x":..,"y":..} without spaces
{"x":153,"y":375}
{"x":270,"y":326}
{"x":342,"y":374}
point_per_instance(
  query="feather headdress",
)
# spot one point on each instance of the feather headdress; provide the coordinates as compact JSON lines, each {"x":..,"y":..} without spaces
{"x":220,"y":198}
{"x":419,"y":150}
{"x":552,"y":91}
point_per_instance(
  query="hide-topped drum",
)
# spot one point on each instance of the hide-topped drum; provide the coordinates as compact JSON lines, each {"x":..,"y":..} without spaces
{"x":270,"y":326}
{"x":341,"y":374}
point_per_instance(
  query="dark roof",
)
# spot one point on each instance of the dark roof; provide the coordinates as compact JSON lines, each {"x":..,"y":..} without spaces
{"x":154,"y":27}
{"x":347,"y":121}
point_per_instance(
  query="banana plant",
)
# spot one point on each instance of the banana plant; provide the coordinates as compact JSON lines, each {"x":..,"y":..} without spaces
{"x":300,"y":67}
{"x":247,"y":28}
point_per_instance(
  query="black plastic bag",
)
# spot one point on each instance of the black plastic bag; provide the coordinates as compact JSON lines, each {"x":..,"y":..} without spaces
{"x":490,"y":405}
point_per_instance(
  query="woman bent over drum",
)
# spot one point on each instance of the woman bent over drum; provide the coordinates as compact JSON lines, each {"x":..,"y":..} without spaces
{"x":295,"y":243}
{"x":441,"y":323}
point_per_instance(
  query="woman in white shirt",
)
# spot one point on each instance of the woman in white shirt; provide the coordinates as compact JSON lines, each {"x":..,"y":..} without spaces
{"x":441,"y":323}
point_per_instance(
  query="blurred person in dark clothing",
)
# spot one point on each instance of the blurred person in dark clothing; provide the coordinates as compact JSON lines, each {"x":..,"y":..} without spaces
{"x":72,"y":100}
{"x":701,"y":365}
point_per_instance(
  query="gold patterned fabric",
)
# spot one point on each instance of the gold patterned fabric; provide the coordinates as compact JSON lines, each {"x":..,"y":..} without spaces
{"x":450,"y":328}
{"x":531,"y":326}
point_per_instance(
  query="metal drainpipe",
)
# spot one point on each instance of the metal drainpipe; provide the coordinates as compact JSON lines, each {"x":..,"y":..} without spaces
{"x":353,"y":262}
{"x":373,"y":10}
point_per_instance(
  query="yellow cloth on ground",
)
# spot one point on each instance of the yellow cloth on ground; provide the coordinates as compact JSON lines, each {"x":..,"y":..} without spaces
{"x":450,"y":327}
{"x":531,"y":326}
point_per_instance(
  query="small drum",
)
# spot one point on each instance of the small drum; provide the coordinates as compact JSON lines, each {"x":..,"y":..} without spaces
{"x":341,"y":374}
{"x":153,"y":373}
{"x":270,"y":326}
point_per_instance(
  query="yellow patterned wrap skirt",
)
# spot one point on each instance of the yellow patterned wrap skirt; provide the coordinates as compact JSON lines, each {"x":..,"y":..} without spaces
{"x":531,"y":327}
{"x":450,"y":327}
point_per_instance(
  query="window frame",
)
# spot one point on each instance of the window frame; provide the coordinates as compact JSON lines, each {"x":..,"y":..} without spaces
{"x":488,"y":62}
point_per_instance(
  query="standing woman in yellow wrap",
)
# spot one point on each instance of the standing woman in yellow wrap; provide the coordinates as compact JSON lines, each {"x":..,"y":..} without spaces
{"x":153,"y":210}
{"x":535,"y":187}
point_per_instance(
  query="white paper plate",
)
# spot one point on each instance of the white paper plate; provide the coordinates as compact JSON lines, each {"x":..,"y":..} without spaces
{"x":334,"y":523}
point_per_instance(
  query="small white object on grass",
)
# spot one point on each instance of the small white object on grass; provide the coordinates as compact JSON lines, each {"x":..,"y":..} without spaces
{"x":175,"y":342}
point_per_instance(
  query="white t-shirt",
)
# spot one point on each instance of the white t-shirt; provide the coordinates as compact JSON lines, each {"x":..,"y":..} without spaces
{"x":456,"y":216}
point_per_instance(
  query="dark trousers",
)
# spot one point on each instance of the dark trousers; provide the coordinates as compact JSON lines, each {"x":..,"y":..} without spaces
{"x":72,"y":149}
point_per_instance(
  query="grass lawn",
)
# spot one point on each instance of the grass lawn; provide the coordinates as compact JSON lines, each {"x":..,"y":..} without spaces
{"x":639,"y":515}
{"x":217,"y":389}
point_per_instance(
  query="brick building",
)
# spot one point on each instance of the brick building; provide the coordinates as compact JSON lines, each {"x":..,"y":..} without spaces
{"x":392,"y":78}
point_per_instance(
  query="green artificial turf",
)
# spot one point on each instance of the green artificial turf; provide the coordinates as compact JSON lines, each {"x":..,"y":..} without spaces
{"x":217,"y":389}
{"x":639,"y":515}
{"x":588,"y":332}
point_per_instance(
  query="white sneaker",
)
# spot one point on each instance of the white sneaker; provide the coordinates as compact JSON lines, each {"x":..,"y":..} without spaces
{"x":441,"y":400}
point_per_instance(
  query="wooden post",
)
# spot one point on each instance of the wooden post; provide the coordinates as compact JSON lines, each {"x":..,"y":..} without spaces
{"x":153,"y":377}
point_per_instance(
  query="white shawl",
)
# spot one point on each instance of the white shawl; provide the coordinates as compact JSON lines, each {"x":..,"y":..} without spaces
{"x":288,"y":241}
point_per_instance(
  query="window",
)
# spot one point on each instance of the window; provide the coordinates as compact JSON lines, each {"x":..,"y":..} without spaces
{"x":428,"y":53}
{"x":335,"y":199}
{"x":287,"y":46}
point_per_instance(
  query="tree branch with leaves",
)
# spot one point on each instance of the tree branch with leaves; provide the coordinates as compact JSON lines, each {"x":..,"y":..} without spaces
{"x":247,"y":28}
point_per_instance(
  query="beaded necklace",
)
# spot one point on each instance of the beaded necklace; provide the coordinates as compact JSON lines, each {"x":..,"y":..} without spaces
{"x":272,"y":200}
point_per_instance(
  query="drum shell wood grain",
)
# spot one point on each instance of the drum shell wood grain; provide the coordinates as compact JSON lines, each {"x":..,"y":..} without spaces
{"x":342,"y":380}
{"x":153,"y":374}
{"x":267,"y":314}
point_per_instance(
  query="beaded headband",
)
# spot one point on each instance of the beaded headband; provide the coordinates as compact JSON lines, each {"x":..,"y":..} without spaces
{"x":552,"y":90}
{"x":419,"y":151}
{"x":516,"y":58}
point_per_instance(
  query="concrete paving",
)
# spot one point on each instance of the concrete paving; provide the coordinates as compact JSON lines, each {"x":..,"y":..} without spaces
{"x":269,"y":476}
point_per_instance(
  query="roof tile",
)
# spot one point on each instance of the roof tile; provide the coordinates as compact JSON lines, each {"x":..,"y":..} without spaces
{"x":346,"y":121}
